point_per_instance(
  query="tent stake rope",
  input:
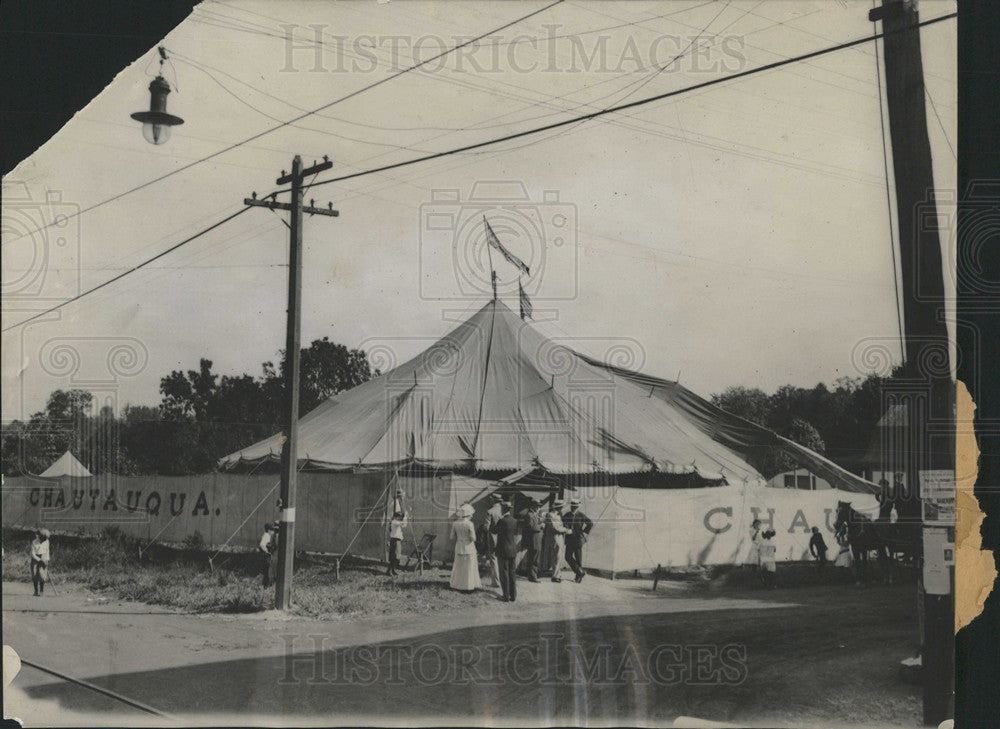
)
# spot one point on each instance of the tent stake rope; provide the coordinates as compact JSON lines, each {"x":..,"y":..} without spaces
{"x":167,"y":525}
{"x":252,"y":512}
{"x":371,"y":511}
{"x":387,"y":517}
{"x":242,"y":524}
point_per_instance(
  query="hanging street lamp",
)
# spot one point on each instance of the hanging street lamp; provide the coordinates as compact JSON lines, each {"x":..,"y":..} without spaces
{"x":156,"y":122}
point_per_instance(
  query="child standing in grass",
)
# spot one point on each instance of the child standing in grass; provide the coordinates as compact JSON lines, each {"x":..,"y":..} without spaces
{"x":768,"y":552}
{"x":40,"y":560}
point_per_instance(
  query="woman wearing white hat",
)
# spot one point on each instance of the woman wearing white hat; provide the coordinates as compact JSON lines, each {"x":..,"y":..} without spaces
{"x":465,"y":570}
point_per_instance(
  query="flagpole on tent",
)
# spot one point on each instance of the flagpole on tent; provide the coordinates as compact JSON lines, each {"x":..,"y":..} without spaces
{"x":489,"y":253}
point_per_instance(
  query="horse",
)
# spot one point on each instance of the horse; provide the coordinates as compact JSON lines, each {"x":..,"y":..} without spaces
{"x":863,"y":535}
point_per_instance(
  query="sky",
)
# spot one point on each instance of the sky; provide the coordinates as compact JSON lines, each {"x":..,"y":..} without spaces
{"x":737,"y":234}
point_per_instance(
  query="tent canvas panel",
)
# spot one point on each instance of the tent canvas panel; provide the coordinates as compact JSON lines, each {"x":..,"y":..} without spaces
{"x":640,"y":528}
{"x":429,"y":501}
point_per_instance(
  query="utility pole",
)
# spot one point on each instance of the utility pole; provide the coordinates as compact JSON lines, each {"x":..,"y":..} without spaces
{"x":289,"y":450}
{"x":927,"y":388}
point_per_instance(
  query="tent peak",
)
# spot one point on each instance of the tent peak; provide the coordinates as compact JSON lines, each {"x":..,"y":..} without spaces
{"x":66,"y":465}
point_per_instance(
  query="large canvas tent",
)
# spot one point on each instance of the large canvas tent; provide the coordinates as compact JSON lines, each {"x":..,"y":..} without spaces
{"x":495,"y":395}
{"x":495,"y":403}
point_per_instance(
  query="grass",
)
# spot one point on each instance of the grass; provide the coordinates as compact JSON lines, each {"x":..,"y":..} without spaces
{"x":182,"y":579}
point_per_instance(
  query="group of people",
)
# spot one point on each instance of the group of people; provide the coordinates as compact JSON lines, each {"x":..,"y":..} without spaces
{"x":540,"y":537}
{"x":763,"y":551}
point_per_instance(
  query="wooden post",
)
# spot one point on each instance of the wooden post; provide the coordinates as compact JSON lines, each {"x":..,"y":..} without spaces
{"x":289,"y":451}
{"x":931,"y":425}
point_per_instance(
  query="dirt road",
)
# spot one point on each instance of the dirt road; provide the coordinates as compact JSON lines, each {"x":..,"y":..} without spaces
{"x":790,"y":657}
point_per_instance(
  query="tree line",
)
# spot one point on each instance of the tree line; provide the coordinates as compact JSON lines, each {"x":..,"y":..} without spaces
{"x":838,"y":423}
{"x":201,"y":417}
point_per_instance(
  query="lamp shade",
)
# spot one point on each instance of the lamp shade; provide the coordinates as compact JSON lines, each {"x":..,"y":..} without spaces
{"x":156,"y":122}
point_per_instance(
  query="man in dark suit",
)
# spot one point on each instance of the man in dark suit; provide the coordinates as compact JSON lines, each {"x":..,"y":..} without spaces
{"x":531,"y":540}
{"x":507,"y":530}
{"x":578,"y":526}
{"x":491,"y":517}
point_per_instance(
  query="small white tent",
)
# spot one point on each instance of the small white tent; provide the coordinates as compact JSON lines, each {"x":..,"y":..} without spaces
{"x":67,"y":465}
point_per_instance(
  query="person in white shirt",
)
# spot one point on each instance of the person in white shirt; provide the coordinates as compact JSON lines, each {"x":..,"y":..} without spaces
{"x":555,"y":531}
{"x":267,"y":549}
{"x":399,"y":521}
{"x":768,"y":553}
{"x":40,"y":560}
{"x":753,"y":556}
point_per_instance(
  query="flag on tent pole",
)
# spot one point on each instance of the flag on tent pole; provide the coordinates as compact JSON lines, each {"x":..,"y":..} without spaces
{"x":525,"y":301}
{"x":513,"y":260}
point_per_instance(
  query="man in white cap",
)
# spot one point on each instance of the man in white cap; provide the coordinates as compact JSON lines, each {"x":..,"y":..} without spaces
{"x":578,"y":526}
{"x":555,"y":532}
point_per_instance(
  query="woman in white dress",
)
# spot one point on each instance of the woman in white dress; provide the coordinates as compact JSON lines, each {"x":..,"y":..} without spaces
{"x":753,"y":556}
{"x":465,"y":570}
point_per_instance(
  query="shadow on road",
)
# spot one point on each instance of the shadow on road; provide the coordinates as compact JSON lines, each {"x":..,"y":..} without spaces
{"x":832,"y":661}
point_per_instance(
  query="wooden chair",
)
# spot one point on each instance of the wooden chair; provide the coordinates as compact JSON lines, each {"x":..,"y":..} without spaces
{"x":423,"y":552}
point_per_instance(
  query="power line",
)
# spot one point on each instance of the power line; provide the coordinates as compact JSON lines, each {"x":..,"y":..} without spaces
{"x":198,"y":67}
{"x":292,"y":121}
{"x":629,"y":105}
{"x":622,"y":122}
{"x":122,"y":275}
{"x":478,"y":145}
{"x":940,"y":123}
